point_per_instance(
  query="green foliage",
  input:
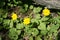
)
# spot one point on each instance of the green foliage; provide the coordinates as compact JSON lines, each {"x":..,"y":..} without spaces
{"x":43,"y":32}
{"x":6,"y":22}
{"x":20,"y":26}
{"x":36,"y":10}
{"x":54,"y":28}
{"x":34,"y":31}
{"x":13,"y":33}
{"x":40,"y":25}
{"x":38,"y":38}
{"x":11,"y":24}
{"x":44,"y":18}
{"x":30,"y":38}
{"x":31,"y":7}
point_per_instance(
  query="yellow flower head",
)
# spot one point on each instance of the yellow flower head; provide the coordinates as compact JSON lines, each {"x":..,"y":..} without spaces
{"x":26,"y":21}
{"x":14,"y":16}
{"x":46,"y":12}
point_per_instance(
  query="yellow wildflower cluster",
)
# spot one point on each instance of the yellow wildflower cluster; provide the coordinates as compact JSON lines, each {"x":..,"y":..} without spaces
{"x":46,"y":12}
{"x":26,"y":20}
{"x":14,"y":16}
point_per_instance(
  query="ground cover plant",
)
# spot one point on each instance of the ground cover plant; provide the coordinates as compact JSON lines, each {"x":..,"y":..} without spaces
{"x":25,"y":21}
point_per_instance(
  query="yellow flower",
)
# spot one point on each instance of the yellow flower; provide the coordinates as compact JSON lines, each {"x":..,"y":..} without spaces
{"x":46,"y":12}
{"x":14,"y":16}
{"x":26,"y":21}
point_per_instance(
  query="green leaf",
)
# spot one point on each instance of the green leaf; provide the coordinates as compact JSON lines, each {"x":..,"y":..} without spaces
{"x":13,"y":34}
{"x":48,"y":28}
{"x":19,"y":26}
{"x":54,"y":28}
{"x":30,"y":38}
{"x":37,"y":16}
{"x":11,"y":5}
{"x":38,"y":38}
{"x":37,"y":9}
{"x":31,"y":7}
{"x":34,"y":21}
{"x":19,"y":32}
{"x":56,"y":19}
{"x":6,"y":22}
{"x":34,"y":31}
{"x":15,"y":5}
{"x":43,"y":32}
{"x":27,"y":30}
{"x":44,"y":18}
{"x":26,"y":7}
{"x":11,"y":24}
{"x":55,"y":33}
{"x":42,"y":26}
{"x":15,"y":1}
{"x":34,"y":10}
{"x":59,"y":13}
{"x":20,"y":2}
{"x":16,"y":21}
{"x":12,"y":30}
{"x":4,"y":15}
